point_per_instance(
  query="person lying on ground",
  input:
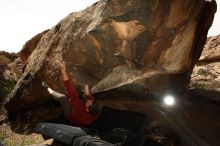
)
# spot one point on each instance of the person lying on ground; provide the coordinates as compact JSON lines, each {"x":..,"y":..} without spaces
{"x":79,"y":107}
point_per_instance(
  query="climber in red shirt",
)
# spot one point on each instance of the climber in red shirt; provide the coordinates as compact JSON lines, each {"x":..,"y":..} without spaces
{"x":79,"y":111}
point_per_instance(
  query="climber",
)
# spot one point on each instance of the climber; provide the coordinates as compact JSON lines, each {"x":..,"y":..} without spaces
{"x":79,"y":107}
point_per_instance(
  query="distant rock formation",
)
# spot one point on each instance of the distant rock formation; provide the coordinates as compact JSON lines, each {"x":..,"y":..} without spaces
{"x":206,"y":73}
{"x":9,"y":74}
{"x":7,"y":71}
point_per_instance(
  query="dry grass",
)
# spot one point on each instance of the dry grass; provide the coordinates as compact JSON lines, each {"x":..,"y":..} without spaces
{"x":10,"y":138}
{"x":4,"y":59}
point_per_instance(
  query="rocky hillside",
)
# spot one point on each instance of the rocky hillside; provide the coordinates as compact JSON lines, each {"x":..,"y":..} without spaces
{"x":206,"y":73}
{"x":9,"y":74}
{"x":7,"y":77}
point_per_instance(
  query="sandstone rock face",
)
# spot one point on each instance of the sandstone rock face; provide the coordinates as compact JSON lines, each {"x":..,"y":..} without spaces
{"x":206,"y":73}
{"x":147,"y":47}
{"x":29,"y":46}
{"x":211,"y":51}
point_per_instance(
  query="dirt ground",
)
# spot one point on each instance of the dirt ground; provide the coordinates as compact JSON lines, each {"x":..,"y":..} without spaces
{"x":10,"y":138}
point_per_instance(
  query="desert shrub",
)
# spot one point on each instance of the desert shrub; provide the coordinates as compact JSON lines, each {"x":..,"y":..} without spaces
{"x":10,"y":56}
{"x":203,"y":72}
{"x":6,"y":86}
{"x":4,"y":59}
{"x":200,"y":85}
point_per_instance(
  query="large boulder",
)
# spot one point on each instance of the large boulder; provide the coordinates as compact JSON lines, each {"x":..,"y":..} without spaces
{"x":29,"y":46}
{"x":211,"y":51}
{"x":135,"y":45}
{"x":206,"y":73}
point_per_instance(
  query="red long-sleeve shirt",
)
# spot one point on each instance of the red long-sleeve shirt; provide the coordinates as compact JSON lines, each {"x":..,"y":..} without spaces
{"x":78,"y":116}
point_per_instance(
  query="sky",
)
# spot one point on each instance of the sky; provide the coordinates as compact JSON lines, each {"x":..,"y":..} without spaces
{"x":20,"y":20}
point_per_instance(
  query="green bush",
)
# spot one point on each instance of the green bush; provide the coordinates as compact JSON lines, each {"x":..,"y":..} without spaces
{"x":6,"y":86}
